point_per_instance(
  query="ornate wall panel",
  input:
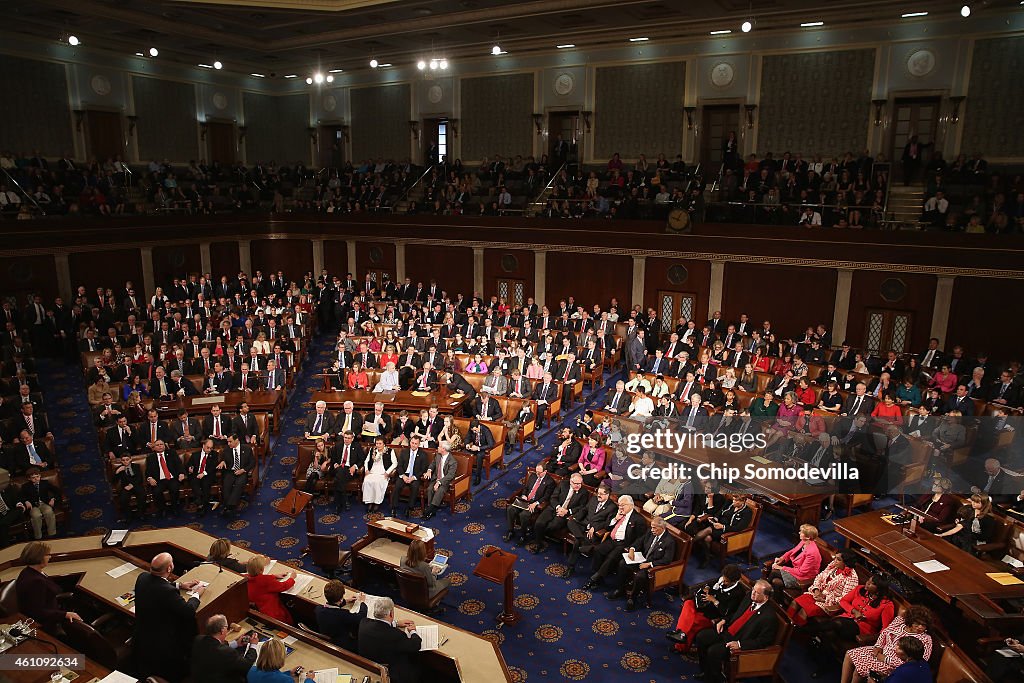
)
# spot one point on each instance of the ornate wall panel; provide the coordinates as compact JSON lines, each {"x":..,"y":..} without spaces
{"x":638,"y":108}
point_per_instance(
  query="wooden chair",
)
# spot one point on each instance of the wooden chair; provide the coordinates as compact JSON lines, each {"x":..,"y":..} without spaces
{"x":671,"y":575}
{"x":413,"y":588}
{"x":90,"y":642}
{"x":765,"y":661}
{"x":460,"y":487}
{"x":325,"y":552}
{"x":738,"y":542}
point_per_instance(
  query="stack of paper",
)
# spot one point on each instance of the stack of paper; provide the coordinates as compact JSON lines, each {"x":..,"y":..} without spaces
{"x":117,"y":536}
{"x":428,"y":634}
{"x":931,"y":566}
{"x":301,"y":581}
{"x":121,"y":570}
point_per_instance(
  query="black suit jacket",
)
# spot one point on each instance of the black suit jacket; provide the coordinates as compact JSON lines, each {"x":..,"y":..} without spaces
{"x":165,"y":625}
{"x":216,"y":662}
{"x":598,"y":520}
{"x":37,"y":598}
{"x":339,"y":624}
{"x":543,"y":491}
{"x":577,"y":502}
{"x":658,"y":552}
{"x":492,"y":411}
{"x":759,"y":630}
{"x":635,"y":528}
{"x":386,"y":644}
{"x":153,"y":464}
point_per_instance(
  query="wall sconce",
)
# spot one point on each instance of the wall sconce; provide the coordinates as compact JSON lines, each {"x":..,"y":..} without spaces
{"x":414,"y":129}
{"x":879,"y":108}
{"x":454,"y":125}
{"x":586,"y":118}
{"x":689,"y":112}
{"x":538,"y":122}
{"x":312,"y":133}
{"x":956,"y":101}
{"x":203,"y":127}
{"x":344,"y":133}
{"x":79,"y":117}
{"x":750,"y":109}
{"x":241,"y":133}
{"x":132,"y":120}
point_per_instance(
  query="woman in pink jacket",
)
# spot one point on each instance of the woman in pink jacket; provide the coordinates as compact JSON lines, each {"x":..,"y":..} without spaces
{"x":799,"y":565}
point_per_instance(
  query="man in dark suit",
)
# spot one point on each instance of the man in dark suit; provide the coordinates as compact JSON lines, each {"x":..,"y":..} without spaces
{"x":624,"y":531}
{"x":426,"y":379}
{"x":591,"y":522}
{"x":960,"y":400}
{"x":245,"y":379}
{"x":165,"y":623}
{"x":217,"y":426}
{"x":752,"y":626}
{"x":569,"y":501}
{"x":273,"y":378}
{"x":658,"y":548}
{"x":164,"y":474}
{"x":346,"y":458}
{"x":487,"y":408}
{"x":119,"y":439}
{"x":25,"y":452}
{"x":694,"y":416}
{"x":319,"y":421}
{"x":457,"y":383}
{"x":185,"y":432}
{"x":202,"y":472}
{"x":858,"y":403}
{"x":412,"y":464}
{"x":396,"y":646}
{"x":335,"y":620}
{"x":246,"y":426}
{"x":237,"y":462}
{"x":530,"y":500}
{"x":618,"y":401}
{"x":843,"y":358}
{"x":40,"y":499}
{"x":545,"y":392}
{"x":215,"y":661}
{"x":479,"y":441}
{"x":129,"y":485}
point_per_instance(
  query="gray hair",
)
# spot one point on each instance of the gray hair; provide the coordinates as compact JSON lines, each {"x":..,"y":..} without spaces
{"x":626,"y":499}
{"x":383,"y":608}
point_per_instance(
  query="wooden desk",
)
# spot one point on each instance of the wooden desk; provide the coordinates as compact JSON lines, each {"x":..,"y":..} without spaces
{"x":259,"y":402}
{"x":393,"y":402}
{"x":227,"y":593}
{"x":966,"y":573}
{"x":89,"y":672}
{"x":395,"y":530}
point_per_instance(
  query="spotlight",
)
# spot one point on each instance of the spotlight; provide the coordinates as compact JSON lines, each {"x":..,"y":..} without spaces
{"x":217,"y":65}
{"x":421,"y":65}
{"x":443,"y":64}
{"x":73,"y":40}
{"x":965,"y":11}
{"x":153,"y":52}
{"x":374,"y":63}
{"x":309,"y":81}
{"x":746,"y":26}
{"x":496,"y":50}
{"x":330,"y":78}
{"x":433,"y":64}
{"x":318,"y":78}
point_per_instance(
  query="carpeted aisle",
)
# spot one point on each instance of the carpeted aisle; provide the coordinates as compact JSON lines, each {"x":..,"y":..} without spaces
{"x":567,"y":633}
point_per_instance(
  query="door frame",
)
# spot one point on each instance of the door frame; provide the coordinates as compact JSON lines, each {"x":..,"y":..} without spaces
{"x":698,"y":127}
{"x":941,"y":123}
{"x":886,"y":335}
{"x":234,"y":133}
{"x":543,"y":144}
{"x":125,"y":142}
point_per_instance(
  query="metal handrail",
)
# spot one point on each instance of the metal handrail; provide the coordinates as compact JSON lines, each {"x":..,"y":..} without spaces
{"x":405,"y":195}
{"x":554,"y":176}
{"x":22,"y":190}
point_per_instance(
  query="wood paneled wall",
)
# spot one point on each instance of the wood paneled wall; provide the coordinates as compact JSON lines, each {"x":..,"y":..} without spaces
{"x":792,"y":298}
{"x":336,"y":257}
{"x":223,"y":259}
{"x":23,"y":275}
{"x":510,"y":264}
{"x":293,"y":257}
{"x":697,"y":282}
{"x":986,"y":317}
{"x":178,"y":261}
{"x":375,"y":256}
{"x":591,"y":278}
{"x":452,"y":267}
{"x":106,"y":269}
{"x":866,"y":295}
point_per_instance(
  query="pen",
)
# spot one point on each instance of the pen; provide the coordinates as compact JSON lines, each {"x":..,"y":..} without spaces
{"x":445,"y":640}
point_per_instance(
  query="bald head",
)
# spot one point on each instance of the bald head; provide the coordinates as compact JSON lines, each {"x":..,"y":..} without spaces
{"x":162,"y":564}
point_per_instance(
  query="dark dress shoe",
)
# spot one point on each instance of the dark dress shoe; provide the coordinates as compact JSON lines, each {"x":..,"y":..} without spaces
{"x":676,"y":637}
{"x":541,"y":547}
{"x":507,"y":537}
{"x":571,"y":571}
{"x":630,"y":605}
{"x":589,"y":584}
{"x":616,"y":594}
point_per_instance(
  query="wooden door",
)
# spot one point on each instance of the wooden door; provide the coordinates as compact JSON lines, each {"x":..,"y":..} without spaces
{"x":513,"y":292}
{"x":716,"y":122}
{"x":220,"y":140}
{"x":888,"y":330}
{"x":671,"y":305}
{"x":104,"y":138}
{"x":566,"y":124}
{"x":915,"y":116}
{"x":329,"y":146}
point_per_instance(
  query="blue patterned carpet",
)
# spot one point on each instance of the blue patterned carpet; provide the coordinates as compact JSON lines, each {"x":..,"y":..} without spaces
{"x":567,"y":633}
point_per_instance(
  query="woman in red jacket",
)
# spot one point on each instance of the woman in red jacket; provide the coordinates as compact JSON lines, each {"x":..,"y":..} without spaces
{"x":265,"y":589}
{"x":864,"y":611}
{"x":796,"y":566}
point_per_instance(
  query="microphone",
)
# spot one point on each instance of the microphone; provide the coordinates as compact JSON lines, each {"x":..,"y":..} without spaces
{"x":18,"y":633}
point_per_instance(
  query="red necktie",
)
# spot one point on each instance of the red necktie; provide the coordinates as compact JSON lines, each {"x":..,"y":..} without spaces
{"x":615,"y":528}
{"x":533,"y":491}
{"x":164,"y":468}
{"x":735,"y":626}
{"x":344,"y":457}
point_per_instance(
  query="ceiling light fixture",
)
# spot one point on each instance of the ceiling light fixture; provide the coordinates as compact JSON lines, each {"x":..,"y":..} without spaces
{"x":385,"y":65}
{"x":292,"y":76}
{"x":721,"y":33}
{"x":433,"y":65}
{"x":335,"y":71}
{"x":218,"y":65}
{"x":911,"y":15}
{"x":746,"y":26}
{"x":566,"y":46}
{"x":421,"y":65}
{"x":153,"y":52}
{"x":374,"y":63}
{"x":257,"y":75}
{"x":309,"y":80}
{"x":205,"y":66}
{"x":496,"y":50}
{"x":965,"y":11}
{"x":73,"y":40}
{"x":443,"y":64}
{"x":318,"y":78}
{"x":329,"y":79}
{"x":139,"y":54}
{"x":638,"y":40}
{"x":812,"y":24}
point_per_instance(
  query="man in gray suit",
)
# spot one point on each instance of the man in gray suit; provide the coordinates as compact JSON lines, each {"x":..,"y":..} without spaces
{"x":439,"y":479}
{"x":636,"y":350}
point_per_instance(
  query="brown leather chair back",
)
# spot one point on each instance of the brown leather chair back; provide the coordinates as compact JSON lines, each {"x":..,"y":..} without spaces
{"x":413,"y":587}
{"x":325,"y":551}
{"x":8,"y":599}
{"x":90,"y":642}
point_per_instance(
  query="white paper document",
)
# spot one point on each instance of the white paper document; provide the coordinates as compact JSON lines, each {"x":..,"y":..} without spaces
{"x":428,"y":634}
{"x":1007,"y":652}
{"x":325,"y":676}
{"x":301,"y":581}
{"x":638,"y":557}
{"x":121,"y":570}
{"x":270,"y":567}
{"x":931,"y":566}
{"x":118,"y":677}
{"x":117,"y":536}
{"x":1013,"y":561}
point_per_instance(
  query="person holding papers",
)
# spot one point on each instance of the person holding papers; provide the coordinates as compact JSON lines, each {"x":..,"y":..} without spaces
{"x":384,"y":640}
{"x":416,"y":560}
{"x":267,"y":668}
{"x":336,"y":620}
{"x":265,"y":589}
{"x":215,"y":660}
{"x":655,"y":548}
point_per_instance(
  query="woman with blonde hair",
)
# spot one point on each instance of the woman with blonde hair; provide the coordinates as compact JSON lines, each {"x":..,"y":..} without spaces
{"x":269,"y":663}
{"x":220,"y":555}
{"x":265,"y":589}
{"x":450,"y":433}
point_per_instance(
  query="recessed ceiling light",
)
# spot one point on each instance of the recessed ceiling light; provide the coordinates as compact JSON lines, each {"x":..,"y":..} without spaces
{"x":318,"y":77}
{"x":292,"y":76}
{"x":335,"y":71}
{"x":218,"y":65}
{"x":721,"y":33}
{"x":73,"y":40}
{"x":496,"y":50}
{"x":374,"y":63}
{"x":385,"y":64}
{"x":329,"y":79}
{"x":257,"y":75}
{"x":443,"y":64}
{"x":153,"y":52}
{"x":206,"y":66}
{"x":809,"y":24}
{"x":638,"y":40}
{"x":965,"y":11}
{"x":421,"y":65}
{"x":746,"y":26}
{"x":566,"y":46}
{"x":309,"y":80}
{"x":139,"y":54}
{"x":910,"y":15}
{"x":433,"y":64}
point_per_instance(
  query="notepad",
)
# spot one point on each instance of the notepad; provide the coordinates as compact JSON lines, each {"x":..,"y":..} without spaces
{"x":301,"y":581}
{"x":117,"y":536}
{"x":120,"y":570}
{"x":1013,"y":561}
{"x":1004,"y":578}
{"x":326,"y":676}
{"x":638,"y":558}
{"x":429,"y":636}
{"x":931,"y":566}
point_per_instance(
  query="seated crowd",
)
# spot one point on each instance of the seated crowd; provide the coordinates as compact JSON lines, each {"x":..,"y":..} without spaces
{"x":965,"y":197}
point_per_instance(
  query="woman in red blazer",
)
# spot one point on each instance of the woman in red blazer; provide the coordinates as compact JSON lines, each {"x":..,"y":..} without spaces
{"x":265,"y":589}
